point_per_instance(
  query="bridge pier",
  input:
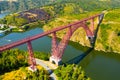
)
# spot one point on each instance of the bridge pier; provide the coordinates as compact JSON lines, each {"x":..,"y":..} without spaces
{"x":54,"y":57}
{"x":31,"y":60}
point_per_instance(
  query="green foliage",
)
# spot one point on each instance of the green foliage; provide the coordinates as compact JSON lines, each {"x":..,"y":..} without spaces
{"x":34,"y":24}
{"x":20,"y":21}
{"x":38,"y":75}
{"x":90,"y":5}
{"x":2,"y":21}
{"x":3,"y":6}
{"x":113,"y":15}
{"x":87,"y":5}
{"x":12,"y":59}
{"x":70,"y":72}
{"x":104,"y":34}
{"x":42,"y":55}
{"x":21,"y":5}
{"x":14,"y":20}
{"x":24,"y":74}
{"x":71,"y":8}
{"x":50,"y":10}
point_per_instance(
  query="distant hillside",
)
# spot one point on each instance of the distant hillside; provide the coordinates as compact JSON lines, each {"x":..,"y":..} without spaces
{"x":34,"y":17}
{"x":88,"y":5}
{"x":8,"y":0}
{"x":109,"y":32}
{"x":21,"y":5}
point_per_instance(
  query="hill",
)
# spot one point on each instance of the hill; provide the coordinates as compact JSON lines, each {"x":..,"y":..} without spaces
{"x":109,"y":32}
{"x":88,"y":5}
{"x":25,"y":19}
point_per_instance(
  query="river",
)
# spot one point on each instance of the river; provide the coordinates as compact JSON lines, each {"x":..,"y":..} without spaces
{"x":3,"y":14}
{"x":97,"y":65}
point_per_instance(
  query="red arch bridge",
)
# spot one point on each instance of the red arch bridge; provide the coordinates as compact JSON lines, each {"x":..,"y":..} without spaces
{"x":58,"y":49}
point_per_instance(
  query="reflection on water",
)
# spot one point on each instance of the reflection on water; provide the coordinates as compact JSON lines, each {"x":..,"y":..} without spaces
{"x":102,"y":66}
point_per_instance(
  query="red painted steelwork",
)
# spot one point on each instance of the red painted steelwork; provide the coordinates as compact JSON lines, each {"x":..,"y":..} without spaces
{"x":63,"y":43}
{"x":17,"y":43}
{"x":31,"y":60}
{"x":57,"y":49}
{"x":88,"y":31}
{"x":92,"y":26}
{"x":54,"y":45}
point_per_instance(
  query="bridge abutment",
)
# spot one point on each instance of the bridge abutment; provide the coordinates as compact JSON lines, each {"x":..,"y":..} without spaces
{"x":32,"y":61}
{"x":55,"y":60}
{"x":32,"y":68}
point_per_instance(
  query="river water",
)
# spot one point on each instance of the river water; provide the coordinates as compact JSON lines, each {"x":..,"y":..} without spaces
{"x":97,"y":65}
{"x":3,"y":14}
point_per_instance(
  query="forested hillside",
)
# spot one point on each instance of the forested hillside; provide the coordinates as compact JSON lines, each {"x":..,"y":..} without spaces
{"x":109,"y":32}
{"x":21,"y":5}
{"x":88,"y":5}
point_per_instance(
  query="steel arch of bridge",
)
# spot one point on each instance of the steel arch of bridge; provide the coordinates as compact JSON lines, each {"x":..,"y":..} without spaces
{"x":57,"y":49}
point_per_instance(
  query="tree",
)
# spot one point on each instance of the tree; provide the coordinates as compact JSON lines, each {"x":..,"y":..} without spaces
{"x":22,"y":5}
{"x":70,"y":72}
{"x":13,"y":6}
{"x":20,"y":21}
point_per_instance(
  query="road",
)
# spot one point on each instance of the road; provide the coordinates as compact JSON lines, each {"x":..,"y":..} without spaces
{"x":41,"y":63}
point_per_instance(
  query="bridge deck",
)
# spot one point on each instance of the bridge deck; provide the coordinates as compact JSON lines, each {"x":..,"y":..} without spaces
{"x":25,"y":40}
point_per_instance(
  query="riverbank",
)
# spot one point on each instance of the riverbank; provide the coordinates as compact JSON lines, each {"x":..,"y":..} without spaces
{"x":2,"y":15}
{"x":24,"y":20}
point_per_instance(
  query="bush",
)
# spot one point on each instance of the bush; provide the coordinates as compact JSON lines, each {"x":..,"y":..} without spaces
{"x":70,"y":72}
{"x":42,"y":55}
{"x":24,"y":74}
{"x":12,"y":59}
